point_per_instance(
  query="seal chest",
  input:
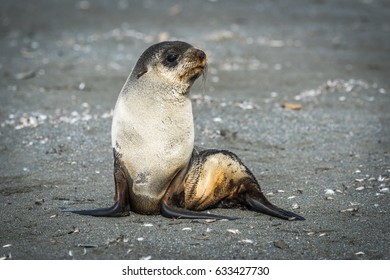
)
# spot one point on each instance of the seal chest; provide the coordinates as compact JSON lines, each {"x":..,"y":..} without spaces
{"x":154,"y":138}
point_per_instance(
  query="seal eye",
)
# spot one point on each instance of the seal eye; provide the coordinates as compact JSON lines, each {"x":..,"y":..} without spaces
{"x":171,"y":57}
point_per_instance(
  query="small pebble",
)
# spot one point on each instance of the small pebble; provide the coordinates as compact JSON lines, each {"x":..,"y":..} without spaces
{"x":281,"y":244}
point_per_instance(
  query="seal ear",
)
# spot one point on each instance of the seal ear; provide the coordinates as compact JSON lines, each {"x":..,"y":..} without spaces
{"x":142,"y":72}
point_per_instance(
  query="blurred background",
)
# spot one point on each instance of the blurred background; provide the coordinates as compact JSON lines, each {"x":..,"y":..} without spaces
{"x":298,"y":89}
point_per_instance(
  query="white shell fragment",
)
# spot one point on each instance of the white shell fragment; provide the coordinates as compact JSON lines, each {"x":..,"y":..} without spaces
{"x":295,"y":206}
{"x":354,"y":203}
{"x":329,"y":192}
{"x":349,"y":210}
{"x":333,"y":86}
{"x":35,"y":119}
{"x":234,"y":231}
{"x":211,"y":220}
{"x":246,"y":241}
{"x":148,"y":225}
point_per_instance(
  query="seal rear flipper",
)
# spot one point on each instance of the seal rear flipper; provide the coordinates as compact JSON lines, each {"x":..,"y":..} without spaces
{"x":270,"y":209}
{"x":170,"y":211}
{"x":114,"y":211}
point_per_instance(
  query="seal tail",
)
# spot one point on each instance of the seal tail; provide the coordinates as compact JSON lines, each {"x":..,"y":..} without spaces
{"x":272,"y":210}
{"x":114,"y":211}
{"x":170,"y":211}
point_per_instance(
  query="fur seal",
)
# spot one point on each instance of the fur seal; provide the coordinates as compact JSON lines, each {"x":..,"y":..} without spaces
{"x":157,"y":169}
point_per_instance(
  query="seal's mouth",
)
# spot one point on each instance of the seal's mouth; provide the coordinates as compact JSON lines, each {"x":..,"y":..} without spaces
{"x":196,"y":72}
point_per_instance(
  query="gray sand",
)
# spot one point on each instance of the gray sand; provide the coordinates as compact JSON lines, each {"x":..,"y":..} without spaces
{"x":62,"y":69}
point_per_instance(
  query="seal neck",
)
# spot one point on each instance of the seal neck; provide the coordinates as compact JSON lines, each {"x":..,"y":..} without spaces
{"x":154,"y":86}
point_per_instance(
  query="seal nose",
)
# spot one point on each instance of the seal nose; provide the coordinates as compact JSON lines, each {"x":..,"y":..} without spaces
{"x":201,"y":55}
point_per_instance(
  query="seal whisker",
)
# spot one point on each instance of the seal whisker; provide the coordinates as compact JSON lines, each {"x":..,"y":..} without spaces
{"x":204,"y":79}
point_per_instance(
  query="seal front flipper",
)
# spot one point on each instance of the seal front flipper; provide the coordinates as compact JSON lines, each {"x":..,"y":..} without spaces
{"x":113,"y":211}
{"x":121,"y":207}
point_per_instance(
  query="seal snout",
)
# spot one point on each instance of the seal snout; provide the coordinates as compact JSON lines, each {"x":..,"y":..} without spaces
{"x":201,"y":55}
{"x":196,"y":65}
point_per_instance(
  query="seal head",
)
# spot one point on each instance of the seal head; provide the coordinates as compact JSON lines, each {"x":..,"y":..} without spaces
{"x":172,"y":61}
